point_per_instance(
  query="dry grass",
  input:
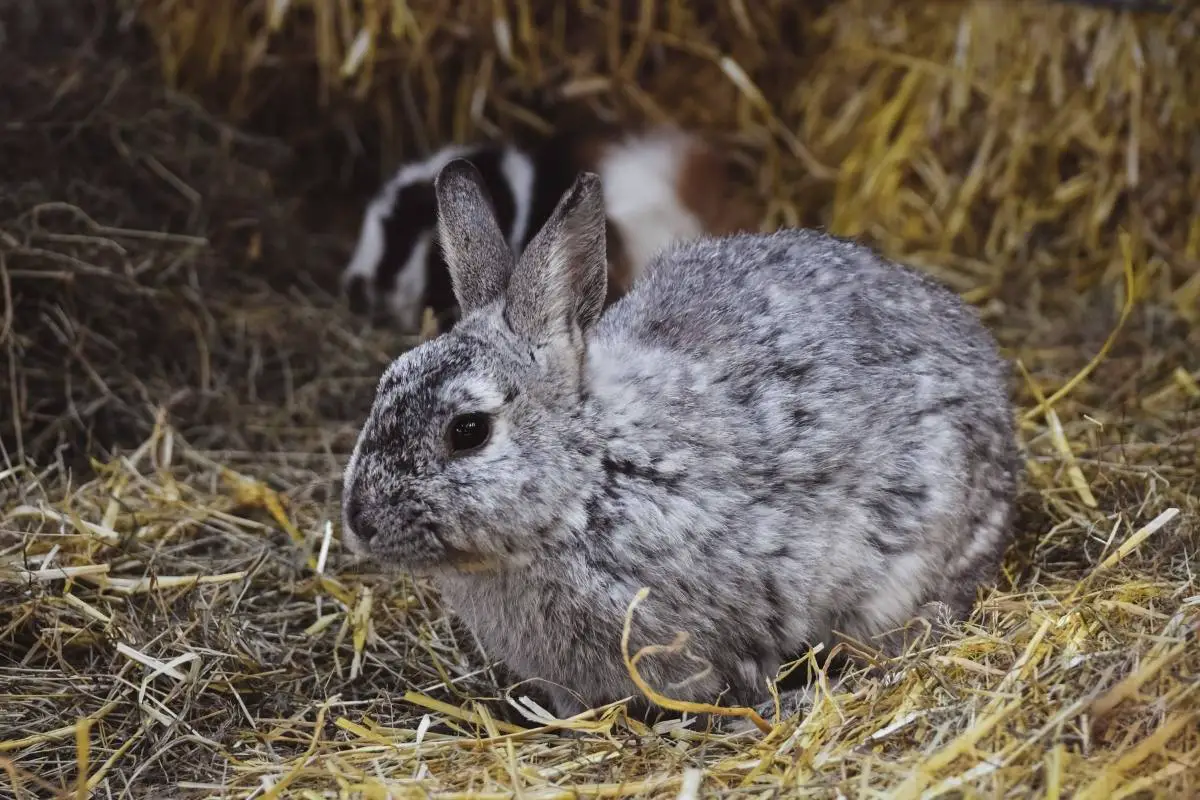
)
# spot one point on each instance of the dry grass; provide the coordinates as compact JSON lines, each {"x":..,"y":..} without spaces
{"x":176,"y":615}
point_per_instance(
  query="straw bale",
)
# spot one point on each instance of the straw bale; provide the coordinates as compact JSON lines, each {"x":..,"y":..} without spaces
{"x":181,"y":385}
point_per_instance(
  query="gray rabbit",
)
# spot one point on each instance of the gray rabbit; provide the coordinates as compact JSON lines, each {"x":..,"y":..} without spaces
{"x":782,"y":435}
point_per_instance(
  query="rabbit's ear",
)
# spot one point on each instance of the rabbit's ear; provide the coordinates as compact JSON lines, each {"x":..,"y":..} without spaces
{"x":476,"y":253}
{"x":562,"y":276}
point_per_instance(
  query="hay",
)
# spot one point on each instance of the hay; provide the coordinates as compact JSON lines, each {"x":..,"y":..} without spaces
{"x":176,"y":616}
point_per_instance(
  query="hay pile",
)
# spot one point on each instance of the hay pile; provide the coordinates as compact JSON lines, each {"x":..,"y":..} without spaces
{"x":180,"y":386}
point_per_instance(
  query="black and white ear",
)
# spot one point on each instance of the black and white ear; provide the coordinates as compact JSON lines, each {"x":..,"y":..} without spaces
{"x":478,"y":257}
{"x":562,"y":276}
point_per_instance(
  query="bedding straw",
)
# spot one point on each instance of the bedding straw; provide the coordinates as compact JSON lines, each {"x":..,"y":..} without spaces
{"x":182,"y":384}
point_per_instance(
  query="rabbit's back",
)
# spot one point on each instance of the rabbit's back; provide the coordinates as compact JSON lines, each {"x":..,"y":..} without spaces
{"x":833,"y":298}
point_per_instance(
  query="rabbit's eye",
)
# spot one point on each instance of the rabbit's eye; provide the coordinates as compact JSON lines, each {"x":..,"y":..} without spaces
{"x":469,"y":432}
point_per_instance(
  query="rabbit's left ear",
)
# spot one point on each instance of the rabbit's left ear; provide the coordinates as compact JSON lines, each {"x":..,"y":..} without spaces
{"x":476,"y":253}
{"x":562,"y":276}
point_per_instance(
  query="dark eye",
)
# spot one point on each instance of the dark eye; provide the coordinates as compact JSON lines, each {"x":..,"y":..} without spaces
{"x":469,"y":432}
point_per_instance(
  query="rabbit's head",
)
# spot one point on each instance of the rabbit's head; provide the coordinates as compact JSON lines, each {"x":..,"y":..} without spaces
{"x":472,"y":452}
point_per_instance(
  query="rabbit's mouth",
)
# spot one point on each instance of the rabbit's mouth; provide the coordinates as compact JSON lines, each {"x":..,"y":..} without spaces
{"x":464,"y":561}
{"x":455,"y":561}
{"x":443,"y":559}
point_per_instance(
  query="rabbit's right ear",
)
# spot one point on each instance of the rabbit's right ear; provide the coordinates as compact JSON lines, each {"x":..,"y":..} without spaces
{"x":560,"y":281}
{"x":476,"y":253}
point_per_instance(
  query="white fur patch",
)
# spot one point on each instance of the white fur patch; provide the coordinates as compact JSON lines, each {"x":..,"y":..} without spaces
{"x":404,"y":303}
{"x":425,"y":171}
{"x":369,"y":250}
{"x":640,"y":175}
{"x":518,"y":171}
{"x":482,"y":391}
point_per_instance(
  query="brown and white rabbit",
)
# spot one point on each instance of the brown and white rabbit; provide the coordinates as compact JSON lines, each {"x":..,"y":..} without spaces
{"x":661,"y":184}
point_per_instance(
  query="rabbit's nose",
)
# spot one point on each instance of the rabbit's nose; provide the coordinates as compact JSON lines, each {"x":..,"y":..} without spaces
{"x":358,"y":523}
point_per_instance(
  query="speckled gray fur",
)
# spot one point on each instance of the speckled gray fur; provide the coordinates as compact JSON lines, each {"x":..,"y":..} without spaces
{"x":781,"y":435}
